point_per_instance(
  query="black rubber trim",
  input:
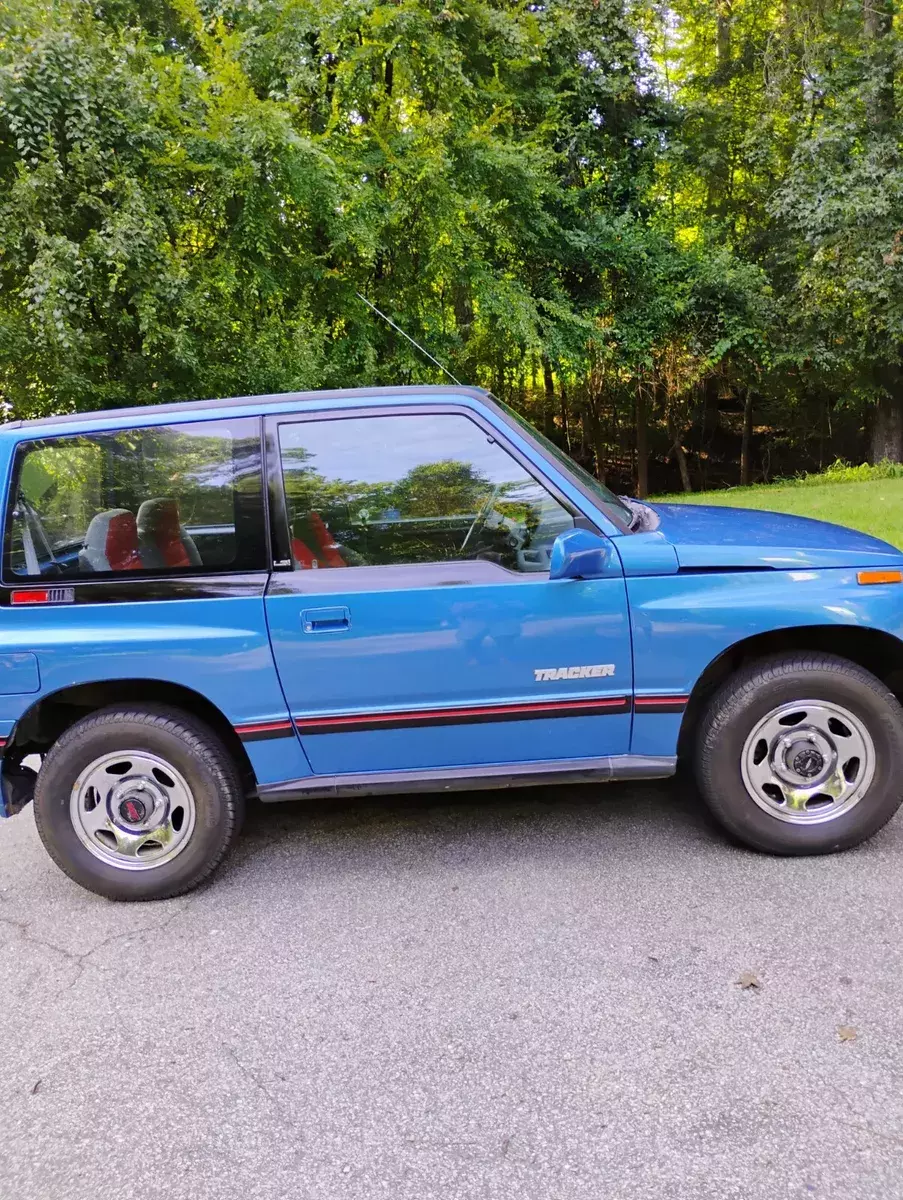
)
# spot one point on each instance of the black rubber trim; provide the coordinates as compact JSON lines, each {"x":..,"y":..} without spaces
{"x":280,"y":540}
{"x":17,"y":785}
{"x":477,"y":778}
{"x":660,"y":704}
{"x":598,"y":706}
{"x":132,"y":590}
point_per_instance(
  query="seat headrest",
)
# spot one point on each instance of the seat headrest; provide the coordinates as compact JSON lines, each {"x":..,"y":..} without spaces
{"x":111,"y":541}
{"x":159,"y":517}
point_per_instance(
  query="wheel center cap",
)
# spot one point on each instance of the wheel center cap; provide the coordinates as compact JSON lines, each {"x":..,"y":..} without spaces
{"x":808,"y":763}
{"x":133,"y":811}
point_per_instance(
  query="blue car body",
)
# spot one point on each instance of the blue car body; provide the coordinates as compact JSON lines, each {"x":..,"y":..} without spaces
{"x":436,"y":674}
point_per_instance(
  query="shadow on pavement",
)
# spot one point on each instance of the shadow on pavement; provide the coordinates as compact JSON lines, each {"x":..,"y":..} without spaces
{"x":669,"y":810}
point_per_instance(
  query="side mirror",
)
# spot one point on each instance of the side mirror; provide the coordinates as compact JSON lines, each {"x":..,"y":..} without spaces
{"x":579,"y":554}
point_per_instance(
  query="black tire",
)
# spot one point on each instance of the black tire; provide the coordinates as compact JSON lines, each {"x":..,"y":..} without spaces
{"x":758,"y":689}
{"x":188,"y":745}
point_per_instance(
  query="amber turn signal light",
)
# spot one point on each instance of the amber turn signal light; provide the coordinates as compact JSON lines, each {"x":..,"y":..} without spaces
{"x":880,"y":577}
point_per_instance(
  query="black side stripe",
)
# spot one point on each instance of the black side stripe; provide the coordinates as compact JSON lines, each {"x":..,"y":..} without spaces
{"x":464,"y":715}
{"x":660,"y":704}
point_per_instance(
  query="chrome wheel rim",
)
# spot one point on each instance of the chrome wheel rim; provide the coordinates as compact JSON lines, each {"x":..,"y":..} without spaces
{"x":808,"y":762}
{"x":132,"y":810}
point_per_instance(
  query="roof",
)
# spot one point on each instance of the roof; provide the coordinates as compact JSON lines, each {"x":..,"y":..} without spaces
{"x":189,"y":407}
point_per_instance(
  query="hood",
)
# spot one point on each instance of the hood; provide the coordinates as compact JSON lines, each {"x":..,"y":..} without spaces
{"x":711,"y":536}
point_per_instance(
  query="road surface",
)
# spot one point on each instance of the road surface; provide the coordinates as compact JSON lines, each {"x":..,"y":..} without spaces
{"x":536,"y":995}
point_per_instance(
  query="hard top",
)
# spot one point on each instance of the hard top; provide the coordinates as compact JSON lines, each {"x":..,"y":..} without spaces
{"x":189,"y":407}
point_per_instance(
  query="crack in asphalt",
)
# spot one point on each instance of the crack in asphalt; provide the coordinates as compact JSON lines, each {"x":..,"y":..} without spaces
{"x":862,"y":1124}
{"x":24,"y":928}
{"x":876,"y":1133}
{"x":260,"y":1086}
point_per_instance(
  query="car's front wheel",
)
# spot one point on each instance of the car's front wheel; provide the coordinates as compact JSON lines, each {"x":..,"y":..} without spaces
{"x":802,"y":754}
{"x":138,"y":804}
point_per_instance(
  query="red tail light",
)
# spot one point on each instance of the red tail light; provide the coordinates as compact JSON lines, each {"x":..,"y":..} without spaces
{"x":33,"y":596}
{"x":55,"y":595}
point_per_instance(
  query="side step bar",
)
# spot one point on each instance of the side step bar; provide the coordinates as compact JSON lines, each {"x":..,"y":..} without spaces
{"x":455,"y":779}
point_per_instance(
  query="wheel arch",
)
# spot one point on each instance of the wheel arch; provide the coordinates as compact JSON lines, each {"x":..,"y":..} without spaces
{"x":51,"y":715}
{"x":874,"y":649}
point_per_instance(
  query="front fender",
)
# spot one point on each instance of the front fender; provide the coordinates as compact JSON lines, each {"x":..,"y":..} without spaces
{"x":682,"y":623}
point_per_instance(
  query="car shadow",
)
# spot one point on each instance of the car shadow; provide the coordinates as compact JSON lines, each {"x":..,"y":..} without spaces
{"x":555,"y":820}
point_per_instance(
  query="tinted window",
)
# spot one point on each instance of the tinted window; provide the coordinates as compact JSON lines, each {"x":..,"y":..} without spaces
{"x":614,"y":508}
{"x":163,"y":498}
{"x":375,"y":491}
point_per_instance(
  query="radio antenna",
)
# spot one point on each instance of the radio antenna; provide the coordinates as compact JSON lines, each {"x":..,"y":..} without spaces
{"x":389,"y":321}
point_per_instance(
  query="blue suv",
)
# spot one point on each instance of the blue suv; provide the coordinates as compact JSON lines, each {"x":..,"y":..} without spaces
{"x":410,"y":589}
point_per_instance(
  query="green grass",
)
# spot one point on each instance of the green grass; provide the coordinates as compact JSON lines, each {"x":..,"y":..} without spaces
{"x":874,"y":506}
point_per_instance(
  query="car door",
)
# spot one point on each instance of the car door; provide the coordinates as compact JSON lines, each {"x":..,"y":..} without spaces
{"x":412,"y":618}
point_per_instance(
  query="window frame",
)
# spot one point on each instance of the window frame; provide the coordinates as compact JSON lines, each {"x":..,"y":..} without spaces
{"x":137,"y":578}
{"x":279,"y":525}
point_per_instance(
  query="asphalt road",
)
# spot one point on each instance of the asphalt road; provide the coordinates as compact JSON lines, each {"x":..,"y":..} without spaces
{"x":529,"y":996}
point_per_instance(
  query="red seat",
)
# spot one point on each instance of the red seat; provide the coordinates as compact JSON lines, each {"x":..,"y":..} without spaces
{"x":111,"y":543}
{"x":324,"y":553}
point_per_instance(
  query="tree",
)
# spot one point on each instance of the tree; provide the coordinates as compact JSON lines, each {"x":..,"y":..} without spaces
{"x":669,"y":233}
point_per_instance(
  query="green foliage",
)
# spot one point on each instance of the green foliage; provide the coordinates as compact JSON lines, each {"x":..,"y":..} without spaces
{"x":844,"y":472}
{"x":441,"y":489}
{"x":575,"y":204}
{"x":839,"y":472}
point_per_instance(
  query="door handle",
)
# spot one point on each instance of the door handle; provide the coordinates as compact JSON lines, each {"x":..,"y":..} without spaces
{"x":325,"y":620}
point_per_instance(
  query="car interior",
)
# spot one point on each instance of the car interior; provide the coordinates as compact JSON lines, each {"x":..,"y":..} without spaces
{"x":117,"y":539}
{"x":341,"y":538}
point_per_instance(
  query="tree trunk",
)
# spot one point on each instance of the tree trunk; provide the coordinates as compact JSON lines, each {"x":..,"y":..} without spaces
{"x":565,"y":424}
{"x":462,"y":303}
{"x":548,"y":411}
{"x":720,"y":172}
{"x":877,"y":23}
{"x":887,"y":429}
{"x":723,"y":17}
{"x":711,"y":411}
{"x":642,"y":444}
{"x":680,"y":454}
{"x":584,"y":431}
{"x":594,"y":430}
{"x":746,"y":442}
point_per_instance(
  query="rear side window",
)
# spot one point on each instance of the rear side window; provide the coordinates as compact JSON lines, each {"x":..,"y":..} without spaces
{"x":412,"y":488}
{"x":174,"y":498}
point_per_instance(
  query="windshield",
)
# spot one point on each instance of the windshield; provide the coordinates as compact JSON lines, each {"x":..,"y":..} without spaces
{"x":616,"y":510}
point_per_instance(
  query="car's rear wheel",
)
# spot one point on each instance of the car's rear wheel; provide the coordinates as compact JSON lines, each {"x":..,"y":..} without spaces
{"x":802,"y":754}
{"x":138,"y":804}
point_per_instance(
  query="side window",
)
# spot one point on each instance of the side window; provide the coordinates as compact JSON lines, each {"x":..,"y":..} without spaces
{"x":418,"y":488}
{"x":156,"y":499}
